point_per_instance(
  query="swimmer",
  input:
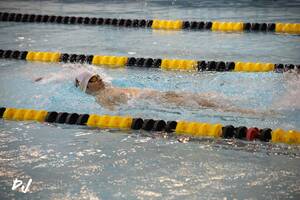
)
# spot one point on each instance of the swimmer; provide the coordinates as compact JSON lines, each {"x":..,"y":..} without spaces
{"x":110,"y":97}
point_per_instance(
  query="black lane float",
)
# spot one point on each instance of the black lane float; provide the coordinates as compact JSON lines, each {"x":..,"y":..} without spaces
{"x":165,"y":64}
{"x":291,"y":28}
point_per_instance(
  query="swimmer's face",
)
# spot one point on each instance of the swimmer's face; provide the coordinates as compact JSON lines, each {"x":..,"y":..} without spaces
{"x":95,"y":84}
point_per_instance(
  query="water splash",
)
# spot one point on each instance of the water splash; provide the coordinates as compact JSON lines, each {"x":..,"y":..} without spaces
{"x":69,"y":72}
{"x":290,"y":97}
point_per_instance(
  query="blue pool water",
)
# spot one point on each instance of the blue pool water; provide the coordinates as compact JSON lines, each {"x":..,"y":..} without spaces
{"x":67,"y":162}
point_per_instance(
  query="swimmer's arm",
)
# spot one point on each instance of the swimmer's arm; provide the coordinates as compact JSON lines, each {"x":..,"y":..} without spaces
{"x":111,"y":100}
{"x":105,"y":102}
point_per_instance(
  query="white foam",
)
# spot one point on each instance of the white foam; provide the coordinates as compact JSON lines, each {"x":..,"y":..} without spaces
{"x":291,"y":96}
{"x":70,"y":71}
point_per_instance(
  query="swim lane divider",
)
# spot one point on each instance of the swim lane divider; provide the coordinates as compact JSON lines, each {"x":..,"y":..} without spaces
{"x":193,"y":129}
{"x":292,"y":28}
{"x":165,"y":64}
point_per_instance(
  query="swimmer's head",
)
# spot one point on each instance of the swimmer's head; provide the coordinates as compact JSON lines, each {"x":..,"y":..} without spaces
{"x":89,"y":82}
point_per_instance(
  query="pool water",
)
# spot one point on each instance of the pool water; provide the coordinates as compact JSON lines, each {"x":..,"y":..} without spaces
{"x":73,"y":162}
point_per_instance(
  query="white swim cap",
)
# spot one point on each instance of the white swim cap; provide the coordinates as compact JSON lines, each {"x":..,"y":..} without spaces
{"x":83,"y":79}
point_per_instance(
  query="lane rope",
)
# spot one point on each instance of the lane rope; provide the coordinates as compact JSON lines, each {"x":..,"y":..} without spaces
{"x":193,"y":129}
{"x":291,"y":28}
{"x":165,"y":64}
